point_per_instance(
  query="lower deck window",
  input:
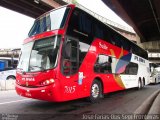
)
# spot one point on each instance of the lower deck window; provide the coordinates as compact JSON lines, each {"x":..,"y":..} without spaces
{"x":103,"y":64}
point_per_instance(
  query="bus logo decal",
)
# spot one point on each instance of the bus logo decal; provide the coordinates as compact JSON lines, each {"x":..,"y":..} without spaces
{"x":28,"y":79}
{"x":103,"y":46}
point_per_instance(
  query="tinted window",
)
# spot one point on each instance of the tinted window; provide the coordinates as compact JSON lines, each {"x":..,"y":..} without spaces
{"x":85,"y":23}
{"x":103,"y":64}
{"x":80,"y":26}
{"x":98,"y":30}
{"x":76,"y":29}
{"x":83,"y":49}
{"x":70,"y":57}
{"x":89,"y":27}
{"x":51,"y":21}
{"x":131,"y":69}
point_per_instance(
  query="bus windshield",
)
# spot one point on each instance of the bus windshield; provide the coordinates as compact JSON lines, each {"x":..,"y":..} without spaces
{"x":39,"y":55}
{"x":50,"y":21}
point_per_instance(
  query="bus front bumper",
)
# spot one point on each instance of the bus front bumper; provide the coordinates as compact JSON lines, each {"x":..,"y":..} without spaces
{"x":42,"y":93}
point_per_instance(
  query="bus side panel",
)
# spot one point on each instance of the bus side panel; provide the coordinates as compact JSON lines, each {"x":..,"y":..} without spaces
{"x":143,"y":68}
{"x":109,"y":81}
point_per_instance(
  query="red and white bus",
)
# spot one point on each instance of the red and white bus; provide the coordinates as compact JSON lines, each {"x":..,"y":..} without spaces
{"x":70,"y":54}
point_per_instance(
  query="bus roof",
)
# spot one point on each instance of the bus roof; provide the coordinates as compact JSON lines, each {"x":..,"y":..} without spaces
{"x":68,"y":5}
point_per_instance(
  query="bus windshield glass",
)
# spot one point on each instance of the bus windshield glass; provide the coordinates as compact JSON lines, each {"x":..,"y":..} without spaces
{"x":50,"y":21}
{"x":39,"y":55}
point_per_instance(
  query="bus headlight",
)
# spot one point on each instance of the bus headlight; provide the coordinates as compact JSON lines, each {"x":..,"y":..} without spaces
{"x":47,"y":82}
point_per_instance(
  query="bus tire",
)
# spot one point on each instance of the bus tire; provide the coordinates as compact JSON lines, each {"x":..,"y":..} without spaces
{"x":143,"y":82}
{"x":139,"y":84}
{"x":11,"y":78}
{"x":155,"y":81}
{"x":95,"y":91}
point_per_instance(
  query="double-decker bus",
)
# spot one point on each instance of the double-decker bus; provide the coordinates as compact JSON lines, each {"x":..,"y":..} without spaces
{"x":70,"y":54}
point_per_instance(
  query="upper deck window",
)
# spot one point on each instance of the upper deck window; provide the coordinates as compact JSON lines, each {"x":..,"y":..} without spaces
{"x":50,"y":21}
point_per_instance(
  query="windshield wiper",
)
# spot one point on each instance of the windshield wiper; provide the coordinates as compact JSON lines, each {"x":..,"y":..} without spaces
{"x":37,"y":67}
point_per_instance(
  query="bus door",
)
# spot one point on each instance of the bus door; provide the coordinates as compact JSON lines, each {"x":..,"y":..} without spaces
{"x":70,"y":66}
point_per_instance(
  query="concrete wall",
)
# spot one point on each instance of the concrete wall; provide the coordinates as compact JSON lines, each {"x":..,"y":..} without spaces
{"x":153,"y":46}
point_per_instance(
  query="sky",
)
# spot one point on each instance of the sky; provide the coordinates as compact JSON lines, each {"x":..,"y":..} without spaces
{"x":14,"y":27}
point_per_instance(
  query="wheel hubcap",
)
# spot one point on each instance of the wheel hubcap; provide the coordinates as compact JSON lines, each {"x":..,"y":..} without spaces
{"x":95,"y":90}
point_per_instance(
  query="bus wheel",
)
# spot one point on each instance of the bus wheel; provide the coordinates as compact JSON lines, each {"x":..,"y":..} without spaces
{"x":96,"y":91}
{"x":139,"y":85}
{"x":143,"y":83}
{"x":155,"y":81}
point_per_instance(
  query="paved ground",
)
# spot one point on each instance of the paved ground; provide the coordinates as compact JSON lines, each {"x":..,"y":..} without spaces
{"x":123,"y":102}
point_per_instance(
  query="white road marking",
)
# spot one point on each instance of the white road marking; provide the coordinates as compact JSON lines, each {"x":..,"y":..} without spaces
{"x":13,"y":101}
